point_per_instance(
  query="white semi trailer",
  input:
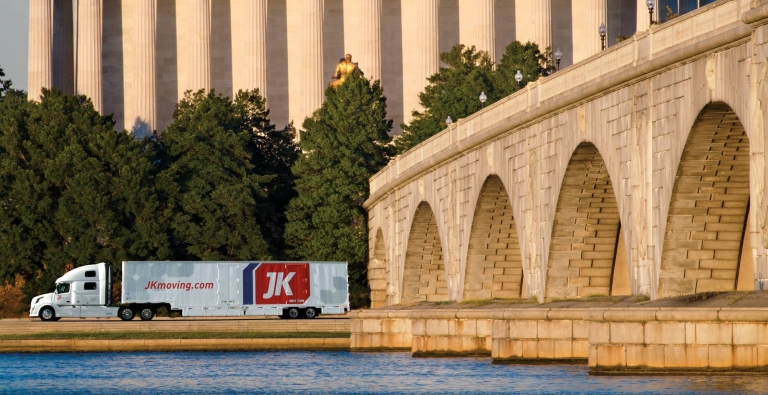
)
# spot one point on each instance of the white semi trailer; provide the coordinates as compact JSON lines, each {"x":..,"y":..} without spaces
{"x":284,"y":289}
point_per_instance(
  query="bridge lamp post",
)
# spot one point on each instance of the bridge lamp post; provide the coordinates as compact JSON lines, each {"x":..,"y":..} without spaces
{"x":482,"y":98}
{"x":519,"y":79}
{"x":558,"y":56}
{"x":448,"y":122}
{"x":649,"y":4}
{"x":602,"y":30}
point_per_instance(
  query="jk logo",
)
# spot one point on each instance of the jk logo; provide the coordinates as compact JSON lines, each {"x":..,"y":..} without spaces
{"x":277,"y":283}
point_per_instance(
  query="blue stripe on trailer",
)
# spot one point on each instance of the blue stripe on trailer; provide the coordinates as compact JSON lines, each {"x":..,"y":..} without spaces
{"x":248,"y":286}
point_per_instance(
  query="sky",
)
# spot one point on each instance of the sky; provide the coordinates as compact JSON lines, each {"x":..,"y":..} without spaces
{"x":14,"y":33}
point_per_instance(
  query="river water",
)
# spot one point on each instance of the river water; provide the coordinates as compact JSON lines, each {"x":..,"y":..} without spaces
{"x":326,"y":372}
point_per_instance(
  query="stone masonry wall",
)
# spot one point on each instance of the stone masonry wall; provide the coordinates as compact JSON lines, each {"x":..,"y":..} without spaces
{"x":528,"y":335}
{"x":585,"y":230}
{"x":631,"y":341}
{"x":377,"y":273}
{"x":494,"y":264}
{"x":424,"y":270}
{"x":708,"y":210}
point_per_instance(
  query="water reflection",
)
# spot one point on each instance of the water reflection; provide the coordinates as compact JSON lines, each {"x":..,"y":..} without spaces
{"x":326,"y":372}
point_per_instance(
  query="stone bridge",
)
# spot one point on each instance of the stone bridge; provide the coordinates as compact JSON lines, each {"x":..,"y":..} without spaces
{"x":640,"y":170}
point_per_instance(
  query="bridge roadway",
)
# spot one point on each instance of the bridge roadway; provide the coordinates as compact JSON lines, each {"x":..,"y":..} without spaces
{"x":161,"y":324}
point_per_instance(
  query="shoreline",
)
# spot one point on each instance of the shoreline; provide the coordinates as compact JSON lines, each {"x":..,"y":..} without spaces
{"x":165,"y":345}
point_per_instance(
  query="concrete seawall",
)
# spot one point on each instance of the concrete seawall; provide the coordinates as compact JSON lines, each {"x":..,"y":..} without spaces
{"x":612,"y":340}
{"x":703,"y":340}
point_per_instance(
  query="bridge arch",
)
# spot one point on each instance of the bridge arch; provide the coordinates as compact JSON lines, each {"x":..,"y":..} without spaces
{"x":424,"y":274}
{"x":586,"y":232}
{"x":494,"y":267}
{"x":377,"y":272}
{"x":705,"y":248}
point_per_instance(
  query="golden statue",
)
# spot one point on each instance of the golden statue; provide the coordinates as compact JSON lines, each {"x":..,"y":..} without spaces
{"x":345,"y":67}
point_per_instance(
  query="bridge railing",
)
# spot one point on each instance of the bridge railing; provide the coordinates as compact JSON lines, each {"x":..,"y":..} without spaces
{"x":647,"y":45}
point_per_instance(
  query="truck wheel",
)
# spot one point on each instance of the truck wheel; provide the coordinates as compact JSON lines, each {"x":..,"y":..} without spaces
{"x":125,"y":313}
{"x":48,"y":314}
{"x":310,"y":312}
{"x":293,"y":313}
{"x":146,"y":314}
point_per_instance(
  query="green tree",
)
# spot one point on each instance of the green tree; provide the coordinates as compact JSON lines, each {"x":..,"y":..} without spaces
{"x":453,"y":91}
{"x":343,"y":144}
{"x":74,"y":192}
{"x":5,"y":85}
{"x":524,"y":57}
{"x":216,"y":198}
{"x":275,"y":151}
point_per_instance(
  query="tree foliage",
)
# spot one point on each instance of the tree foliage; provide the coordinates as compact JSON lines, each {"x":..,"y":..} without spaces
{"x":455,"y":89}
{"x":74,"y":191}
{"x":275,"y":151}
{"x":5,"y":85}
{"x":527,"y":58}
{"x":343,"y":144}
{"x":220,"y":162}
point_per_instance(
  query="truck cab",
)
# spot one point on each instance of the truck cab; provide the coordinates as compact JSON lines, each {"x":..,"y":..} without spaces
{"x":85,"y":291}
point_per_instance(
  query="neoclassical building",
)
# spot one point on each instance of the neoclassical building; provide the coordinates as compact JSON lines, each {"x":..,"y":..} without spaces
{"x":136,"y":58}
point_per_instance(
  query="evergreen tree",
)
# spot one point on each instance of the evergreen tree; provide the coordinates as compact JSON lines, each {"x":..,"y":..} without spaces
{"x":453,"y":91}
{"x":524,"y":57}
{"x":5,"y":85}
{"x":74,"y":192}
{"x":216,"y":197}
{"x":275,"y":151}
{"x":343,"y":144}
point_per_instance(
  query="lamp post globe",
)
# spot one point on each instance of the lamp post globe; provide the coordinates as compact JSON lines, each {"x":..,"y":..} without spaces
{"x":448,"y":121}
{"x":482,"y":98}
{"x":603,"y":31}
{"x":558,"y":55}
{"x":519,"y":78}
{"x":650,"y":4}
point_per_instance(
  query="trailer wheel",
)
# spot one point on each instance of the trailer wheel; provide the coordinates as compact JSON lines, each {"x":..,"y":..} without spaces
{"x":47,"y":313}
{"x":125,"y":313}
{"x":310,"y":312}
{"x":146,"y":314}
{"x":293,"y":313}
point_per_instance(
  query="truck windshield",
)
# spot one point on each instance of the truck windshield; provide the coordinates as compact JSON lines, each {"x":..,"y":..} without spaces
{"x":62,"y":288}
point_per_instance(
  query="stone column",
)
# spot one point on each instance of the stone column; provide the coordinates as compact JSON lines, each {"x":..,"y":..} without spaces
{"x":428,"y":41}
{"x":40,"y":67}
{"x":541,"y":23}
{"x":63,"y":47}
{"x":199,"y":62}
{"x":370,"y":38}
{"x":89,"y":41}
{"x":311,"y":61}
{"x":597,"y":13}
{"x":144,"y":68}
{"x":485,"y":27}
{"x":255,"y":73}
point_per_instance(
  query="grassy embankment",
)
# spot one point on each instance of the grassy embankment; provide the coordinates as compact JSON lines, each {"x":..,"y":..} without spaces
{"x":142,"y":335}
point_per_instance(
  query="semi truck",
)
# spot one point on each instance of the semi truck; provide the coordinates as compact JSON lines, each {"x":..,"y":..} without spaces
{"x":284,"y":289}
